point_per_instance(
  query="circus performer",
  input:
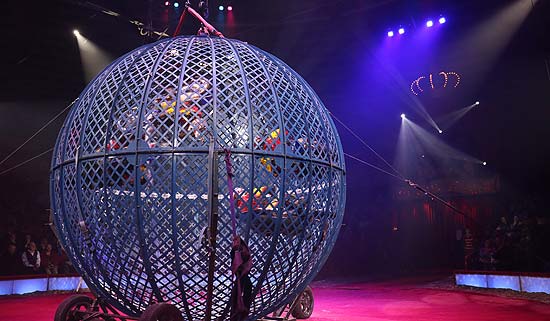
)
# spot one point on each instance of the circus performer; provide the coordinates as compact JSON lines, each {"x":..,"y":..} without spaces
{"x":241,"y":295}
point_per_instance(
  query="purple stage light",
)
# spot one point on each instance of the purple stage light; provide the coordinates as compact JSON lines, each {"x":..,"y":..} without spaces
{"x":442,"y":20}
{"x":401,"y":31}
{"x":429,"y":23}
{"x":167,"y":3}
{"x":390,"y":33}
{"x":229,"y":8}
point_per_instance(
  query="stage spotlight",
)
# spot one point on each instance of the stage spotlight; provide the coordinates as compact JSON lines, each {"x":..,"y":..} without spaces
{"x":484,"y":163}
{"x":390,"y":33}
{"x":440,"y":131}
{"x":76,"y":33}
{"x":429,"y":23}
{"x":442,"y":20}
{"x":167,"y":3}
{"x":229,"y":8}
{"x":220,"y":8}
{"x":176,"y":4}
{"x":477,"y":102}
{"x":403,"y":116}
{"x":401,"y":31}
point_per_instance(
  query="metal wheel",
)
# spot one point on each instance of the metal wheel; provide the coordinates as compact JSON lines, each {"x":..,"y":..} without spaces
{"x":67,"y":310}
{"x":161,"y":312}
{"x":304,"y":304}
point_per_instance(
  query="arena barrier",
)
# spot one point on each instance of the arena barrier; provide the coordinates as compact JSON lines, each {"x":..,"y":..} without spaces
{"x":24,"y":284}
{"x":518,"y":281}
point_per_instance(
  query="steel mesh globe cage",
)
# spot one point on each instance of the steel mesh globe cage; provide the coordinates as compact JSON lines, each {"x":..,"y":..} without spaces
{"x":129,"y":179}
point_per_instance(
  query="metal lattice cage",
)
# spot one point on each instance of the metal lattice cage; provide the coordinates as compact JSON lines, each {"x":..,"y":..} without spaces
{"x":130,"y":174}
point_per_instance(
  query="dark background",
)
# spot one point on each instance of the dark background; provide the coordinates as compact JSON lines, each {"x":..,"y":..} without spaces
{"x":341,"y":49}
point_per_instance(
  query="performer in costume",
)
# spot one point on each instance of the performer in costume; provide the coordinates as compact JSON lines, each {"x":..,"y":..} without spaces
{"x":241,"y":264}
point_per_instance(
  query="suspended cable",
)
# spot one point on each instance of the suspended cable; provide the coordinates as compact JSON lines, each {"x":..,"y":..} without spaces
{"x":37,"y":132}
{"x":374,"y":166}
{"x":25,"y":162}
{"x":415,"y":186}
{"x":399,"y":176}
{"x":144,"y":30}
{"x":368,"y":146}
{"x":439,"y":199}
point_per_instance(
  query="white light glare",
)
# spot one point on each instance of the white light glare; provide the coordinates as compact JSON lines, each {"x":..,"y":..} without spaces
{"x":484,"y":163}
{"x":403,"y":116}
{"x":477,"y":102}
{"x":76,"y":33}
{"x":440,"y":131}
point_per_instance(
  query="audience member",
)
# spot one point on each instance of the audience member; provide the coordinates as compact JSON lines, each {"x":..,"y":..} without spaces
{"x":486,"y":256}
{"x":31,"y":259}
{"x":502,"y":226}
{"x":519,"y":246}
{"x":12,"y":239}
{"x":10,"y":262}
{"x":43,"y":244}
{"x":49,"y":260}
{"x":65,"y":265}
{"x":28,"y":240}
{"x":468,"y":248}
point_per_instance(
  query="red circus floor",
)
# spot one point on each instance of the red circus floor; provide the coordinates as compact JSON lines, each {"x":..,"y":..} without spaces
{"x":403,"y":300}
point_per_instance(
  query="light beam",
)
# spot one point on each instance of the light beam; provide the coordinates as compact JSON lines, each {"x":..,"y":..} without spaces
{"x":93,"y":58}
{"x":450,"y":119}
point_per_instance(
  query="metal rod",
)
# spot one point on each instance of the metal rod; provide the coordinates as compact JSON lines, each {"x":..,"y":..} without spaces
{"x":253,"y":153}
{"x":437,"y":198}
{"x":208,"y":26}
{"x":213,"y":190}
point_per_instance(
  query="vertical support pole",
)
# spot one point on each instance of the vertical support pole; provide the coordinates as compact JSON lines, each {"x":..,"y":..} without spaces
{"x":213,"y":190}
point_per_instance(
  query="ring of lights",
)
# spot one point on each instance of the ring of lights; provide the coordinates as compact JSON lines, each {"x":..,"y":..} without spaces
{"x":421,"y":84}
